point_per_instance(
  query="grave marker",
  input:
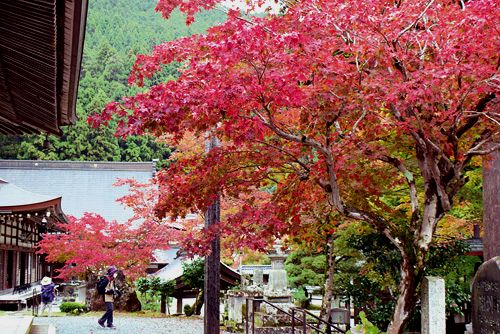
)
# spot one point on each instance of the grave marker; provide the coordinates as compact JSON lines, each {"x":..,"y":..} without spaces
{"x":486,"y":298}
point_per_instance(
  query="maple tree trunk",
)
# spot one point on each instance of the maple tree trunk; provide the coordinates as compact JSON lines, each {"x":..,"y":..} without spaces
{"x":328,"y":295}
{"x":407,"y":298}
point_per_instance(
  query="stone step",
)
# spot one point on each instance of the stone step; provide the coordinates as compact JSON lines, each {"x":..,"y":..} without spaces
{"x":16,"y":324}
{"x":43,"y":329}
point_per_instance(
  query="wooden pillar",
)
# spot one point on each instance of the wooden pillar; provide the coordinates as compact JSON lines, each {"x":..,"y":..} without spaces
{"x":179,"y":305}
{"x":3,"y":268}
{"x":491,"y":205}
{"x":212,"y":265}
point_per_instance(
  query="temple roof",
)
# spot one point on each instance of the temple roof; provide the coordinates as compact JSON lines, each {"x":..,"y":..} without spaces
{"x":41,"y":43}
{"x":15,"y":199}
{"x":85,"y":186}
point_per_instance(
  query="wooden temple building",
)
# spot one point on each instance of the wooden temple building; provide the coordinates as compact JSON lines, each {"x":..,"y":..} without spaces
{"x":24,"y":217}
{"x":41,"y":44}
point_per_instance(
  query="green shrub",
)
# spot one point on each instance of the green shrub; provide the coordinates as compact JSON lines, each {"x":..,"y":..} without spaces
{"x":313,"y":307}
{"x":366,"y":326}
{"x":188,"y":310}
{"x":73,"y":307}
{"x":300,"y":298}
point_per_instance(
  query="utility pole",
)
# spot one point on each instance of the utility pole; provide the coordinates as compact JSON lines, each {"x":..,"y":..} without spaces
{"x":212,"y":262}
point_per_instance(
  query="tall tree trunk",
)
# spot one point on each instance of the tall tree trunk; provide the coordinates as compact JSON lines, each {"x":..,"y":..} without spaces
{"x":328,"y":295}
{"x":407,"y":298}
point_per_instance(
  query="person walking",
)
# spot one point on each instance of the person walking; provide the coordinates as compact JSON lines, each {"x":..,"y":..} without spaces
{"x":47,"y":295}
{"x":109,"y":298}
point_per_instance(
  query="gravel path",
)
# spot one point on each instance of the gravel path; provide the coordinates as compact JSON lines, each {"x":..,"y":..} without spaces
{"x":125,"y":325}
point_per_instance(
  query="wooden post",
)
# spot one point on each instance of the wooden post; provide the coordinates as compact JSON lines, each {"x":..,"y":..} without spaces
{"x":212,"y":264}
{"x":491,"y":205}
{"x":246,"y":316}
{"x":163,"y":307}
{"x":304,"y":322}
{"x":253,"y":316}
{"x":179,"y":305}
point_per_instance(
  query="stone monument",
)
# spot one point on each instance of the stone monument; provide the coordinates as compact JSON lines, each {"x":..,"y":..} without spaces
{"x":486,"y":298}
{"x":277,"y":290}
{"x":237,"y":298}
{"x":433,"y":305}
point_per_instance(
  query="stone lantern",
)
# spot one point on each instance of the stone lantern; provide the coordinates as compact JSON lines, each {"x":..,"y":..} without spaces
{"x":276,"y":290}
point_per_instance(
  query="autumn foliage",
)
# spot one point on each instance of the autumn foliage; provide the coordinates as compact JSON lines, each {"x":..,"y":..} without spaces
{"x":374,"y":107}
{"x":90,"y":244}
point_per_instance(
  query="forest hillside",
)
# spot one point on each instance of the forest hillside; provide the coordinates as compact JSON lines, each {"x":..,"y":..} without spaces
{"x":116,"y":31}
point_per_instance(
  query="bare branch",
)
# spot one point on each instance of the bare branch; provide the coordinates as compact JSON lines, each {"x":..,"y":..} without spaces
{"x":285,"y":152}
{"x":476,"y":150}
{"x":486,"y":152}
{"x":481,"y":105}
{"x":410,"y":180}
{"x":355,"y":126}
{"x":416,"y":20}
{"x":225,"y":11}
{"x":491,"y":118}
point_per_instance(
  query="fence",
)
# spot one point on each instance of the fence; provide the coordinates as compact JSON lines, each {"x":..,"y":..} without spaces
{"x":300,"y":321}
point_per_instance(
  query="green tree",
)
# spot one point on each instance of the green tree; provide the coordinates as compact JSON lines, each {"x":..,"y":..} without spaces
{"x":193,"y":275}
{"x":116,"y":31}
{"x":305,"y":268}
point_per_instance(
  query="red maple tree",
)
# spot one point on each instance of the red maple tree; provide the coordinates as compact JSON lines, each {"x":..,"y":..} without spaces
{"x":355,"y":101}
{"x":90,"y":244}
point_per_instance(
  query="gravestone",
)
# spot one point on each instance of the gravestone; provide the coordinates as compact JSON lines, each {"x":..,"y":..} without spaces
{"x":433,"y":306}
{"x":486,"y":298}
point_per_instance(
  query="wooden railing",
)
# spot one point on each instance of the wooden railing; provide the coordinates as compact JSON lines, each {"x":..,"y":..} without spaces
{"x":21,"y":288}
{"x":35,"y":302}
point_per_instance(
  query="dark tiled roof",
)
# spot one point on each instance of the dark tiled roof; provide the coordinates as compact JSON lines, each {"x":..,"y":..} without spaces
{"x":41,"y":43}
{"x":84,"y":186}
{"x":77,"y":165}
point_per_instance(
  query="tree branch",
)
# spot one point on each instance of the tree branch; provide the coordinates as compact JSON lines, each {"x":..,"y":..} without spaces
{"x":416,"y":20}
{"x":410,"y":180}
{"x":481,"y":105}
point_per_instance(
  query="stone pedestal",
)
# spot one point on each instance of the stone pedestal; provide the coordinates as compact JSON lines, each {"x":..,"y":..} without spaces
{"x":276,"y":292}
{"x":433,"y":306}
{"x":235,"y":302}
